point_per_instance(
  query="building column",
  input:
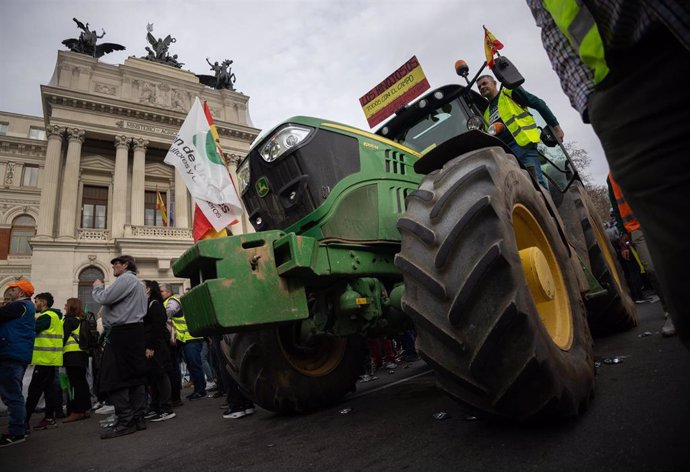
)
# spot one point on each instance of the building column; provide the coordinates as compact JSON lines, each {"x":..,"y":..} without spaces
{"x":181,"y":203}
{"x":120,"y":186}
{"x":138,"y":181}
{"x":70,"y":184}
{"x":49,"y":183}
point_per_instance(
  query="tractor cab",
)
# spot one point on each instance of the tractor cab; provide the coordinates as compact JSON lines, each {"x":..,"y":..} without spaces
{"x":449,"y":120}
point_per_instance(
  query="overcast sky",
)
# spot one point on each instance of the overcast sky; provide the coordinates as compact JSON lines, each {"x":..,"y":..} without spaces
{"x":291,"y":57}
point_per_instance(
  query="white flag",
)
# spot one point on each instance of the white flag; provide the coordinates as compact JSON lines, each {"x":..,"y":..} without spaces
{"x":194,"y":153}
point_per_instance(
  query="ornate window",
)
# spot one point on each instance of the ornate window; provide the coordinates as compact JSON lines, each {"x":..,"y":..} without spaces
{"x":23,"y":229}
{"x":30,"y":176}
{"x":94,"y":207}
{"x":86,"y":278}
{"x":3,"y":128}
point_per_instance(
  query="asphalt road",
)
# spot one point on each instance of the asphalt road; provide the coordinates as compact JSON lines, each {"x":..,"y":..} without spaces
{"x":638,"y":421}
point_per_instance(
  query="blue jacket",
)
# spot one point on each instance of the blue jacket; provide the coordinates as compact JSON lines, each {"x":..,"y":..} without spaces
{"x":17,"y":333}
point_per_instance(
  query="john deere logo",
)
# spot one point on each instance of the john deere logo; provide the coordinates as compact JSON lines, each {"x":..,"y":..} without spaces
{"x":262,"y":187}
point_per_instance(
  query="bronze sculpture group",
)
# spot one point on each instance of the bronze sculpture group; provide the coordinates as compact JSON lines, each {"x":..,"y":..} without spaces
{"x":86,"y":43}
{"x":223,"y":77}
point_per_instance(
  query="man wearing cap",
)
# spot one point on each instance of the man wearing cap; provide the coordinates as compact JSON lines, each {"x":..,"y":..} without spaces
{"x":16,"y":346}
{"x":123,"y":368}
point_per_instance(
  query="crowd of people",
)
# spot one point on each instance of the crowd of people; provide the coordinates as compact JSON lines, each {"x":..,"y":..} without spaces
{"x":134,"y":372}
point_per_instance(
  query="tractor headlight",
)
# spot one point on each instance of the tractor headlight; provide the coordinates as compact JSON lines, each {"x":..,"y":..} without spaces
{"x":475,"y":123}
{"x":283,"y":140}
{"x":243,"y":176}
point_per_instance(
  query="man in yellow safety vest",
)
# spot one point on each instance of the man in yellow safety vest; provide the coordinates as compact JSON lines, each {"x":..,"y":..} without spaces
{"x":519,"y":131}
{"x":185,"y":343}
{"x":47,"y":357}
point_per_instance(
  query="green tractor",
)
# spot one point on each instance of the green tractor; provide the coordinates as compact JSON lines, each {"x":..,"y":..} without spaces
{"x":430,"y":223}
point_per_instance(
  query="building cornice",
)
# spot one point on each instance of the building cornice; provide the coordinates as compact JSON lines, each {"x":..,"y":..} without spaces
{"x":126,"y":110}
{"x":27,"y":147}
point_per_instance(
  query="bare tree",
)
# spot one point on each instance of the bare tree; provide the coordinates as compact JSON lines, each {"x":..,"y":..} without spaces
{"x":597,"y":193}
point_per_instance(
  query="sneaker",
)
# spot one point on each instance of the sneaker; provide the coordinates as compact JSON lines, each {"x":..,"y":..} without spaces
{"x":7,"y":440}
{"x":653,"y":299}
{"x":118,"y":430}
{"x":97,"y":405}
{"x":151,"y":414}
{"x":105,"y":410}
{"x":109,"y":422}
{"x":46,"y":423}
{"x":390,"y":365}
{"x":235,"y":412}
{"x":211,"y":386}
{"x":668,"y":329}
{"x":196,"y":396}
{"x":642,"y":300}
{"x":163,"y":417}
{"x":249,"y":408}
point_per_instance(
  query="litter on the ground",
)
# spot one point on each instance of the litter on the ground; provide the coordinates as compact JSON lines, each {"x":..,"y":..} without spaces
{"x":645,"y":334}
{"x":345,"y":411}
{"x":441,"y":415}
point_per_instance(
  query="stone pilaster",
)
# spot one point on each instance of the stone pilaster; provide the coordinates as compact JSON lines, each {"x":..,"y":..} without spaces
{"x":181,"y":203}
{"x":70,"y":183}
{"x":119,"y":211}
{"x":138,"y":181}
{"x":49,"y":180}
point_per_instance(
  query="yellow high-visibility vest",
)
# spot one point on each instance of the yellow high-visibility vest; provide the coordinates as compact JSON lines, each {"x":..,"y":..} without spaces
{"x":578,"y":26}
{"x":180,"y":323}
{"x":72,"y":344}
{"x":517,"y":119}
{"x":48,"y":343}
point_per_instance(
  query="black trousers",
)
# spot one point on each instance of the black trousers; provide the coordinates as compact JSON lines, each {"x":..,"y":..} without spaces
{"x":174,"y":373}
{"x":129,"y":403}
{"x":159,"y":381}
{"x":42,"y":383}
{"x":642,"y":119}
{"x":82,"y":396}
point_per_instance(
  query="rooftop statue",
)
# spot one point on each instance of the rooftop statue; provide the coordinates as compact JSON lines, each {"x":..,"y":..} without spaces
{"x":160,"y":46}
{"x":86,"y":43}
{"x":223,"y":77}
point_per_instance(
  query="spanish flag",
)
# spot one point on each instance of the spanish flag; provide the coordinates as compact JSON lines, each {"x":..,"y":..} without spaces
{"x":491,"y":47}
{"x":160,"y":205}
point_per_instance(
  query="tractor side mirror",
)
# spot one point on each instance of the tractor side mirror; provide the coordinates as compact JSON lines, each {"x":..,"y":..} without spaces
{"x":507,"y":73}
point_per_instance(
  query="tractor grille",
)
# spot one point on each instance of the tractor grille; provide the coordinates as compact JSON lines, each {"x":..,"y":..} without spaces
{"x":299,"y":182}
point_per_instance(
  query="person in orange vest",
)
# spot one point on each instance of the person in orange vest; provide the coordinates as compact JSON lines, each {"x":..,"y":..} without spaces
{"x":631,"y":232}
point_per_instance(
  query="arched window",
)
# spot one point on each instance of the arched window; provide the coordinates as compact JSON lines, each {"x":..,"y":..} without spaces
{"x":23,"y":229}
{"x":86,"y":278}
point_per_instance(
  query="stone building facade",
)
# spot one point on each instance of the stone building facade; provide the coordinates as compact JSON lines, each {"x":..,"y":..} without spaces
{"x":79,"y":184}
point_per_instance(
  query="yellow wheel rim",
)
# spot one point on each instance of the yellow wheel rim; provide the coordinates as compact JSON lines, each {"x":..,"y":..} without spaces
{"x":603,"y":242}
{"x":317,"y":358}
{"x":544,"y":277}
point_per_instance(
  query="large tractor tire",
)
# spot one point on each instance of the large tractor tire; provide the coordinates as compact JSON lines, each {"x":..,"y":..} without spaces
{"x":615,"y":311}
{"x":492,"y":290}
{"x":284,"y":376}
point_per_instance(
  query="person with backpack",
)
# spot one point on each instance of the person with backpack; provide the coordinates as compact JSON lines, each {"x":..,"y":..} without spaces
{"x":75,"y":359}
